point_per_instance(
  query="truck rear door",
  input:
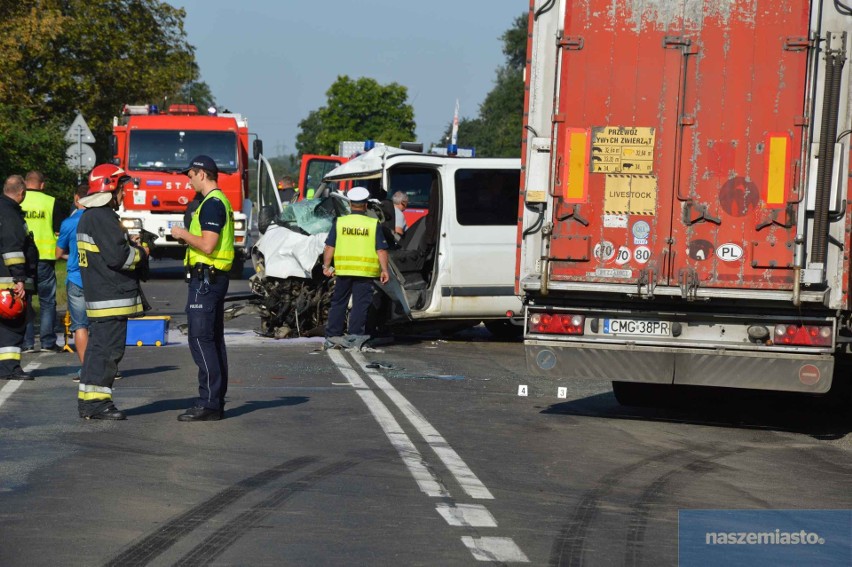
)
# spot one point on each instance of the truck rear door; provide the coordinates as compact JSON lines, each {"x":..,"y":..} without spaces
{"x":678,"y":134}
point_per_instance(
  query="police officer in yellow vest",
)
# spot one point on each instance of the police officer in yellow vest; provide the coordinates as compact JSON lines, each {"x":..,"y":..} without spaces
{"x":43,"y":216}
{"x":359,"y":250}
{"x":209,"y":255}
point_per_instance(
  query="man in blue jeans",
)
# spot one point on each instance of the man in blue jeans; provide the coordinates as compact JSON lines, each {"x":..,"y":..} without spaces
{"x":43,"y":215}
{"x":66,"y":247}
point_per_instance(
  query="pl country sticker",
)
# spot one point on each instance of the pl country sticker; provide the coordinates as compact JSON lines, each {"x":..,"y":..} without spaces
{"x":729,"y":252}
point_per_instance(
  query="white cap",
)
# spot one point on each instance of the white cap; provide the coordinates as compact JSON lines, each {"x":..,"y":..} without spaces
{"x":358,"y":194}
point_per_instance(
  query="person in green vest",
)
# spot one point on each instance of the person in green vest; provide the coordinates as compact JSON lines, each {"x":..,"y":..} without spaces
{"x":209,"y":256}
{"x":360,"y":253}
{"x":44,"y":217}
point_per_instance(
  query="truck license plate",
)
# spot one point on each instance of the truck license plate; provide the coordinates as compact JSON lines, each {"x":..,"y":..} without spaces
{"x":173,"y":223}
{"x":633,"y":327}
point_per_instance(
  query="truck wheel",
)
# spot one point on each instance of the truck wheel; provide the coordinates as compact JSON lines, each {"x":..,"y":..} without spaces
{"x":642,"y":395}
{"x":504,"y":329}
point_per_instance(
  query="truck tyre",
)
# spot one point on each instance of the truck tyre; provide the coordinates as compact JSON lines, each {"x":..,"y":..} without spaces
{"x":504,"y":329}
{"x":642,"y":395}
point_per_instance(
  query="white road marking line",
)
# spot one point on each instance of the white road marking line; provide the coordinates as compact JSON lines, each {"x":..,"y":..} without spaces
{"x":470,"y":515}
{"x":426,"y":479}
{"x":454,"y":463}
{"x":9,"y":388}
{"x":495,"y":549}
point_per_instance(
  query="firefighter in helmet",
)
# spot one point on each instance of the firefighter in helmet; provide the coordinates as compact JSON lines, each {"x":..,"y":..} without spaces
{"x":110,"y":263}
{"x":17,"y":277}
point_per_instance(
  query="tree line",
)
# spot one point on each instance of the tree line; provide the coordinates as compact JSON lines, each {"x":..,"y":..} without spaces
{"x":61,"y":57}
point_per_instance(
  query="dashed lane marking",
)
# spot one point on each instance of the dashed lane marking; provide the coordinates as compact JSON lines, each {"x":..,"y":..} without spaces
{"x":470,"y":515}
{"x":425,"y":478}
{"x":495,"y":549}
{"x":454,"y":463}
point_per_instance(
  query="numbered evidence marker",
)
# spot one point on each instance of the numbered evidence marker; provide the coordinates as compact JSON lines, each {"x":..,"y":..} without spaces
{"x":562,"y":392}
{"x":522,"y":390}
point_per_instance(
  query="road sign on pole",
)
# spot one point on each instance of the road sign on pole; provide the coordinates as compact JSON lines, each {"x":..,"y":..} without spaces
{"x":79,"y":156}
{"x":79,"y":132}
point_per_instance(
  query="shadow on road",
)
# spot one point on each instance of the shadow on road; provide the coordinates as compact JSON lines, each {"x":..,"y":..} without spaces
{"x":257,"y":405}
{"x":726,"y":408}
{"x":184,"y":403}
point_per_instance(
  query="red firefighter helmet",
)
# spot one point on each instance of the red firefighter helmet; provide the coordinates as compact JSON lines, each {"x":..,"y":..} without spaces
{"x":10,"y":306}
{"x":105,"y":177}
{"x":103,"y":180}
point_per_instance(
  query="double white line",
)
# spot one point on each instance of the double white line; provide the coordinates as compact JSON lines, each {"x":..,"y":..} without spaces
{"x":468,"y":515}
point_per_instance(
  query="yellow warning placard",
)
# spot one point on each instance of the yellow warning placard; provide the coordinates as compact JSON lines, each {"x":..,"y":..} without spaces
{"x":630,"y":195}
{"x":622,"y":149}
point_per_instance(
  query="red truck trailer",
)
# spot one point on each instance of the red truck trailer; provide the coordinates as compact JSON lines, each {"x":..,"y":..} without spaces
{"x":153,"y":146}
{"x":684,"y":214}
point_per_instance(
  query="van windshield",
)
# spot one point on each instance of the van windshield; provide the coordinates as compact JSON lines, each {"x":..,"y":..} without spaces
{"x":171,"y":150}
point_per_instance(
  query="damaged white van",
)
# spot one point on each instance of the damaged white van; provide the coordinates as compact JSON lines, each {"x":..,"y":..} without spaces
{"x":453,"y":268}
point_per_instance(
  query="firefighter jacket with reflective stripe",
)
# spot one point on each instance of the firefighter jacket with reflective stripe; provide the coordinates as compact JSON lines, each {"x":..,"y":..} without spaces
{"x":222,"y":256}
{"x":38,"y":209}
{"x":355,"y":247}
{"x":109,"y":265}
{"x":17,"y":249}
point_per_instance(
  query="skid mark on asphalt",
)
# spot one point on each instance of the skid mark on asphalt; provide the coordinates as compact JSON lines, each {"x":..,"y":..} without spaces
{"x":641,"y":511}
{"x":569,"y":546}
{"x":498,"y":550}
{"x":166,"y":536}
{"x":223,"y":538}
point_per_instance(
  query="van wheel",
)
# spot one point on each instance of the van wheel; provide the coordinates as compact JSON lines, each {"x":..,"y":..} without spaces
{"x":643,"y":395}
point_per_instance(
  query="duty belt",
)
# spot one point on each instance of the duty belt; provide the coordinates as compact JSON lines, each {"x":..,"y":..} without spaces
{"x":203,"y":272}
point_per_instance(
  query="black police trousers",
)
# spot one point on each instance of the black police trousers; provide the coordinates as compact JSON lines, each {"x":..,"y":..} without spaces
{"x":361,"y":290}
{"x":107,"y":338}
{"x":205,"y":312}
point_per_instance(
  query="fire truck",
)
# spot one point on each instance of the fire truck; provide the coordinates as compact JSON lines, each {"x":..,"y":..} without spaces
{"x":153,"y":147}
{"x":685,"y":215}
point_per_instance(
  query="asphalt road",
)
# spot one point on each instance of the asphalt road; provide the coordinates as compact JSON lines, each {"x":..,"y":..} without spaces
{"x":430,"y":459}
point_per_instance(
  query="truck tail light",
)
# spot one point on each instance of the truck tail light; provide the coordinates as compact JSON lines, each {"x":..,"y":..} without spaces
{"x":794,"y":334}
{"x":557,"y":323}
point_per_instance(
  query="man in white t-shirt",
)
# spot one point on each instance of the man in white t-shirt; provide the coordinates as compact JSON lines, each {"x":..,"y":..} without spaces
{"x":400,"y":203}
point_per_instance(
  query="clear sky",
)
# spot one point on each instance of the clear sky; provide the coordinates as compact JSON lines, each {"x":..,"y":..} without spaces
{"x":273,"y":60}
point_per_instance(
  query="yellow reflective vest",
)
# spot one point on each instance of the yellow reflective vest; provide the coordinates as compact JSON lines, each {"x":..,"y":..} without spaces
{"x":38,"y":211}
{"x":355,"y":247}
{"x":222,"y":256}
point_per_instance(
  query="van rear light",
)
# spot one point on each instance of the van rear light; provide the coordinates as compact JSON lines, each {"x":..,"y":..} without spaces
{"x":557,"y":323}
{"x":794,"y":334}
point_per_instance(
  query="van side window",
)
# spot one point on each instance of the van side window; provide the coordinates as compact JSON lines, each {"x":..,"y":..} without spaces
{"x":414,"y":182}
{"x":487,"y":196}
